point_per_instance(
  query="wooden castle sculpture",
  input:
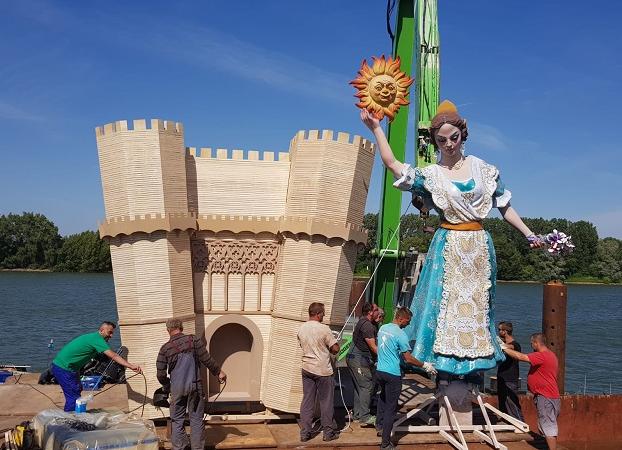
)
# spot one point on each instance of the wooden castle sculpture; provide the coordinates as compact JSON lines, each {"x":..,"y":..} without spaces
{"x":235,"y":246}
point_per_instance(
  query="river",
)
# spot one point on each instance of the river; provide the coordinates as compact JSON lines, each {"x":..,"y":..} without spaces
{"x":39,"y":306}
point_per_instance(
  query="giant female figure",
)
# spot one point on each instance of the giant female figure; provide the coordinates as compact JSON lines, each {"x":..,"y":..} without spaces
{"x":453,"y":306}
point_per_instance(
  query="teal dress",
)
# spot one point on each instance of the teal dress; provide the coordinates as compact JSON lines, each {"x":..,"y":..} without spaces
{"x":453,"y":324}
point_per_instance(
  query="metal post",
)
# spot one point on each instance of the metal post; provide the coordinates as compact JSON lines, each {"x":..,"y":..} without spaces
{"x":554,"y":305}
{"x":389,"y":217}
{"x":427,"y":48}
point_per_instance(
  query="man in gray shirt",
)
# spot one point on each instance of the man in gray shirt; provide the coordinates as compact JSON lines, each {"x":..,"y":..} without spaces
{"x":318,"y":382}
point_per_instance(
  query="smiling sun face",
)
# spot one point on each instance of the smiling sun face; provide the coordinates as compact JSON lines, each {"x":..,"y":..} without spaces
{"x":382,"y":88}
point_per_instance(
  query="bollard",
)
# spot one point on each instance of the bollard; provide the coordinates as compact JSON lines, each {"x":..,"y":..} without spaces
{"x":554,"y":306}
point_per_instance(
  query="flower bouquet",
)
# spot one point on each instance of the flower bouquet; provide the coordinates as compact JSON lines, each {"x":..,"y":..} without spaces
{"x":556,"y":243}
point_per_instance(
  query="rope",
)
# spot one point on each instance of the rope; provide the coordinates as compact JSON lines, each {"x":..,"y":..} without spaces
{"x":371,"y":277}
{"x":390,"y":6}
{"x":113,"y":385}
{"x":209,"y":409}
{"x":144,"y":397}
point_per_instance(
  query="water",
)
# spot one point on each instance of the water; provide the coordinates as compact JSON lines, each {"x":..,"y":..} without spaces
{"x":37,"y":307}
{"x":593,"y":356}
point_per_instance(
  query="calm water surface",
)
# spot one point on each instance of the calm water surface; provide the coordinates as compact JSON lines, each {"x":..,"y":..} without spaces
{"x":37,"y":307}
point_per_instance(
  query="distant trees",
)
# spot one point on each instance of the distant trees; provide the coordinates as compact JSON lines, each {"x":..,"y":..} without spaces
{"x":31,"y":241}
{"x":84,"y":252}
{"x":592,"y":259}
{"x":28,"y":241}
{"x":608,"y":260}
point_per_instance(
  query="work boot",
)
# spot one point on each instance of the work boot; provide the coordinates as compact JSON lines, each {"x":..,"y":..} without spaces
{"x":369,"y":423}
{"x":330,"y":436}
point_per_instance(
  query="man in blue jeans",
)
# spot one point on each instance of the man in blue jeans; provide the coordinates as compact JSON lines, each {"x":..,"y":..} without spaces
{"x":393,"y":344}
{"x":74,"y":356}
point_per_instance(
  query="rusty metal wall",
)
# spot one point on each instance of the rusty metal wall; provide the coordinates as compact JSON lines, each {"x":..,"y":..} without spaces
{"x":583,"y":418}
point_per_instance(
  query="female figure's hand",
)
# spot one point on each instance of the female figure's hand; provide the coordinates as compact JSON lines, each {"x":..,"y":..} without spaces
{"x":386,"y":154}
{"x":535,"y":241}
{"x":369,"y":120}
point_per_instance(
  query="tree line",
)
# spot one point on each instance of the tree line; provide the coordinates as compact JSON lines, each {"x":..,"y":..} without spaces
{"x":32,"y":241}
{"x":593,"y":259}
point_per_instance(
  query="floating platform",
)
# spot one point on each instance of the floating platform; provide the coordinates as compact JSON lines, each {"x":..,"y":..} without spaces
{"x":586,"y":422}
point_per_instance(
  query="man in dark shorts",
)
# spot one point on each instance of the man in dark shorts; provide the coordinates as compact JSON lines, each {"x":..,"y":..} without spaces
{"x":361,"y":360}
{"x":542,"y":383}
{"x":507,"y":375}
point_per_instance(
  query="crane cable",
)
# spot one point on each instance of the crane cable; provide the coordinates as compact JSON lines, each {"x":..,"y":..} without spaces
{"x":371,"y":277}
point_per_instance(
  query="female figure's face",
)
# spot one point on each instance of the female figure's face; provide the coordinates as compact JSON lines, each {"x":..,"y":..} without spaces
{"x":449,"y":141}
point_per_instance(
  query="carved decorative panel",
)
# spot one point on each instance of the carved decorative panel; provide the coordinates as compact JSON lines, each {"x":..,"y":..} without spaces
{"x":234,"y":257}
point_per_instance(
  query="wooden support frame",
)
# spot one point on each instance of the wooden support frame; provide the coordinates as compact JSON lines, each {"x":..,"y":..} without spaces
{"x":491,"y":438}
{"x":484,"y":432}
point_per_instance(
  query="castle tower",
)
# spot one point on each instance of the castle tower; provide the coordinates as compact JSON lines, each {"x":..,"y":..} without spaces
{"x":236,"y":245}
{"x":144,"y":184}
{"x":320,"y":232}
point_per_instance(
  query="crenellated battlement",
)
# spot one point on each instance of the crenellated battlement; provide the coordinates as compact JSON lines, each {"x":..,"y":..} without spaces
{"x":163,"y":126}
{"x":329,"y":135}
{"x":236,"y":154}
{"x":139,"y":217}
{"x":148,"y":223}
{"x":197,"y":233}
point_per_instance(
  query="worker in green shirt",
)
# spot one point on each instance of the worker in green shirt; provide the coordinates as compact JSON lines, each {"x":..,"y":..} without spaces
{"x":73,"y":356}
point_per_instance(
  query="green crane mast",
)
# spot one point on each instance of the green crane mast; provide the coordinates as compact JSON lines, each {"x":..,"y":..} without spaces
{"x":416,"y":30}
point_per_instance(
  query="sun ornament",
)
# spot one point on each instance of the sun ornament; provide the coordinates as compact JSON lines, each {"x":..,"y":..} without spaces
{"x":382,"y":88}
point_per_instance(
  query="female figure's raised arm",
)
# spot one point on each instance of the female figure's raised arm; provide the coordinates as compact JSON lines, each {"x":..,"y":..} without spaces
{"x":386,"y":154}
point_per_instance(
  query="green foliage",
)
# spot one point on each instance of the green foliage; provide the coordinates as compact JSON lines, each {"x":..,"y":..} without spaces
{"x":591,"y":260}
{"x":84,"y":252}
{"x":584,"y":256}
{"x":28,"y":241}
{"x":607,"y":264}
{"x":364,"y":260}
{"x":31,"y":241}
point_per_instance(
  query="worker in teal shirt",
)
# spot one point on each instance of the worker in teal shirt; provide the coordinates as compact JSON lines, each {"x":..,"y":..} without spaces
{"x":393,"y":346}
{"x":74,"y":356}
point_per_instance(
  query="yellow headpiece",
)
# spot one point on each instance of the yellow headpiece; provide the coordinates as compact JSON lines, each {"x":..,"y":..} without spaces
{"x":446,"y":107}
{"x":448,"y":113}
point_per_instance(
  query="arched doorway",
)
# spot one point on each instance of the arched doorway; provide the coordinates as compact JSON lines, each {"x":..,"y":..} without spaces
{"x":239,"y":350}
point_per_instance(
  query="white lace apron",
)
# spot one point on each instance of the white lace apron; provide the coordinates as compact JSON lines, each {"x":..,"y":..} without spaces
{"x":462,"y":328}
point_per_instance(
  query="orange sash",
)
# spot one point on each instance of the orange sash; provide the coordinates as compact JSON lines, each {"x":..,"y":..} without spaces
{"x":466,"y":226}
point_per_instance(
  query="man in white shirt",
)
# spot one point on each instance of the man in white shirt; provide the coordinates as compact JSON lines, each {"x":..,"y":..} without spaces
{"x":318,"y":344}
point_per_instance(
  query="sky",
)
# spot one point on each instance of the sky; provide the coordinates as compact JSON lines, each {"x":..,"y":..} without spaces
{"x":538,"y":82}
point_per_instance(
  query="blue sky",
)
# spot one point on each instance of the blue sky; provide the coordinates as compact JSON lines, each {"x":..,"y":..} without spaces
{"x":539,"y":83}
